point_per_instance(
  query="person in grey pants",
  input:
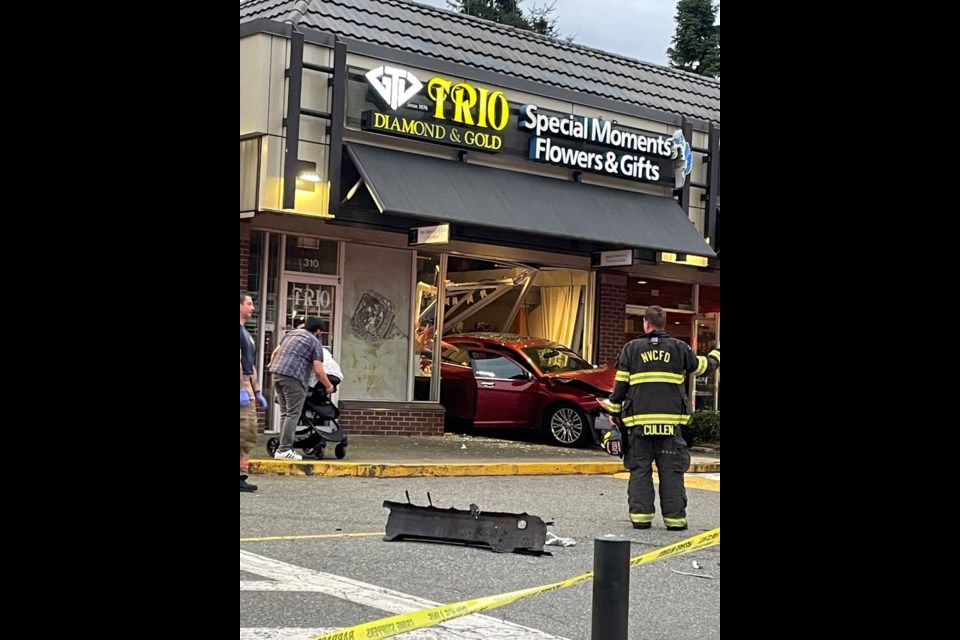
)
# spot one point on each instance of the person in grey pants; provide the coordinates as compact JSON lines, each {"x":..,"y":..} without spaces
{"x":299,"y":354}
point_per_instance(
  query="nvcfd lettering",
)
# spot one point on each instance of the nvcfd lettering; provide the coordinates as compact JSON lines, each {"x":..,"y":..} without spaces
{"x":656,"y":354}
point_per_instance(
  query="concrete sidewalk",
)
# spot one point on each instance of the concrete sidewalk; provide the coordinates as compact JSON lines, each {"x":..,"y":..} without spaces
{"x":455,"y":455}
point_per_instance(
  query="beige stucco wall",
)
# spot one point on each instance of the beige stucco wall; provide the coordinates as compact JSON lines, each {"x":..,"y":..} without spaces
{"x":263,"y":101}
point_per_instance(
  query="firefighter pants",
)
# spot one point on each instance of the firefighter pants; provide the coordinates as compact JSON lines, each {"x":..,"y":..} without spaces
{"x":673,"y":460}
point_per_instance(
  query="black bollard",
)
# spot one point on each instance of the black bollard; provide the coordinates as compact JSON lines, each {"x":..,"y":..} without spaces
{"x":611,"y":588}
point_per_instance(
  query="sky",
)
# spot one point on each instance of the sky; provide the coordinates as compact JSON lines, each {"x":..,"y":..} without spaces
{"x":640,"y":29}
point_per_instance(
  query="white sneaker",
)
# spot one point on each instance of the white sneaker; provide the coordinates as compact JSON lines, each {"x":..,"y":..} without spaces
{"x":289,"y":454}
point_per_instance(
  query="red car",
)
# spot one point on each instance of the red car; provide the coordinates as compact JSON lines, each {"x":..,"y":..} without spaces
{"x":501,"y":380}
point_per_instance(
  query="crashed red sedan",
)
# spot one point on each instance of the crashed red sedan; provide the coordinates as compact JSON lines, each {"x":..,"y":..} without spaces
{"x":509,"y":381}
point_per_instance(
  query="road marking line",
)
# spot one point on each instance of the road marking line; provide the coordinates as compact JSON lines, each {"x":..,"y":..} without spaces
{"x":312,"y":536}
{"x":273,"y":633}
{"x":689,"y":481}
{"x":290,"y":577}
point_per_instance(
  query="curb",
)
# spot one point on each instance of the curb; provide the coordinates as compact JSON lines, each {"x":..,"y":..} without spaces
{"x":379,"y":470}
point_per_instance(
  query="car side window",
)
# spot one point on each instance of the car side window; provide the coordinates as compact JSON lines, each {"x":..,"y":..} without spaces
{"x":491,"y":365}
{"x":455,"y":354}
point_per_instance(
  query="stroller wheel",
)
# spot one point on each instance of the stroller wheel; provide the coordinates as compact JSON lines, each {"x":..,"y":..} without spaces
{"x":340,"y":451}
{"x":318,"y":453}
{"x":272,"y":445}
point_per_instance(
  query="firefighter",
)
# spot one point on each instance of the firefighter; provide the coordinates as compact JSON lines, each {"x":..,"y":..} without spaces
{"x":649,"y":402}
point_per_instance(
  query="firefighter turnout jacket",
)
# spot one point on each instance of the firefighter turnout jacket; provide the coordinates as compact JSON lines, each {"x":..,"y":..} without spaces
{"x":650,"y":392}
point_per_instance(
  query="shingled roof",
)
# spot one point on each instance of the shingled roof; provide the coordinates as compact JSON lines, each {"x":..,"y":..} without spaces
{"x":465,"y":40}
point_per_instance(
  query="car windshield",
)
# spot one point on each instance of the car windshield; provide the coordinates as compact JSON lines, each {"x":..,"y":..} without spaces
{"x":556,"y":359}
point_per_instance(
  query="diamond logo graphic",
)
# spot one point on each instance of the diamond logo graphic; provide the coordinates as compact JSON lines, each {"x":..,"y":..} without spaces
{"x":395,"y":86}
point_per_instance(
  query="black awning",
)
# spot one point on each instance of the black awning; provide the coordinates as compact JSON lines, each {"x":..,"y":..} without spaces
{"x":407,"y":184}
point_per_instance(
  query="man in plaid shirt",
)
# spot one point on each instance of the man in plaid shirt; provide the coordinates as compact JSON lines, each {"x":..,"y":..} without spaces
{"x":299,"y":354}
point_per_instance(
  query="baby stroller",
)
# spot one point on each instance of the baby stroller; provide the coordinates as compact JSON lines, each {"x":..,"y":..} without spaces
{"x":312,"y":433}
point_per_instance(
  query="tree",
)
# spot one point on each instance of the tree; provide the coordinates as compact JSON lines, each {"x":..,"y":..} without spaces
{"x":696,"y":43}
{"x":538,"y":20}
{"x":542,"y":22}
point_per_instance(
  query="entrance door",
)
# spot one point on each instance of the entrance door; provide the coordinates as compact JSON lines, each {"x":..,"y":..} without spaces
{"x":304,"y":296}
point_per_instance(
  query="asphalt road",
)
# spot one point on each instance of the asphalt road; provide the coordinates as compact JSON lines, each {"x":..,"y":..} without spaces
{"x":300,"y":588}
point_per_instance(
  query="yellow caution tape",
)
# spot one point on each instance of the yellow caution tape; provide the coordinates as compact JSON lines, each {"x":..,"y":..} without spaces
{"x":403,"y":622}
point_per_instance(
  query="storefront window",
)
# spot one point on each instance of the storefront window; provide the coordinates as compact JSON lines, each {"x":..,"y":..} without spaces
{"x":266,"y":309}
{"x":675,"y":297}
{"x":488,"y":296}
{"x":427,"y":348}
{"x":311,"y":299}
{"x":708,"y":333}
{"x":263,"y":275}
{"x":311,"y":255}
{"x":376,"y":323}
{"x":254,"y":279}
{"x":553,"y":308}
{"x":481,"y":295}
{"x":647,"y":292}
{"x":269,"y":307}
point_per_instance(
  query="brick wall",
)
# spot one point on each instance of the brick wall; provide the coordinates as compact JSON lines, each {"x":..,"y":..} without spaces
{"x":401,"y":419}
{"x":612,"y":316}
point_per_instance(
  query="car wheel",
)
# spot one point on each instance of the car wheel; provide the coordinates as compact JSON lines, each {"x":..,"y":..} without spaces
{"x":566,"y":426}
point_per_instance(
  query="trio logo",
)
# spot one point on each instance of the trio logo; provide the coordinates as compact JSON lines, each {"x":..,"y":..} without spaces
{"x":395,"y":86}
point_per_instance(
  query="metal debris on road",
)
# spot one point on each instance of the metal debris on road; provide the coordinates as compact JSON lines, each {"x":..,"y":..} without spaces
{"x":502,"y":532}
{"x":695,"y":575}
{"x":559,"y":542}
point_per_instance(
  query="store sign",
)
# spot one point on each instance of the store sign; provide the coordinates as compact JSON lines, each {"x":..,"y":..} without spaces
{"x":457,"y":113}
{"x":602,"y":146}
{"x":619,"y":258}
{"x":463,"y":114}
{"x":423,"y":129}
{"x":437,"y":234}
{"x":682,"y":258}
{"x":395,"y":86}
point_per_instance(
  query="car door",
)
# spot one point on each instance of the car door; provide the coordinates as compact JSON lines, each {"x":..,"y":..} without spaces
{"x":506,"y":391}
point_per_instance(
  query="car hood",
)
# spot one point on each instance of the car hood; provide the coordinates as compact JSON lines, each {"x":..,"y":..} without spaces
{"x":601,"y":378}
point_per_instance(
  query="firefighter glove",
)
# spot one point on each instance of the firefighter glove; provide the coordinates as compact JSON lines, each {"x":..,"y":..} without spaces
{"x":612,"y":442}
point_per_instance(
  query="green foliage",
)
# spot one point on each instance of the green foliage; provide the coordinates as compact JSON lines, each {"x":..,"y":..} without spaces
{"x":696,"y":43}
{"x":538,"y":20}
{"x":704,"y":426}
